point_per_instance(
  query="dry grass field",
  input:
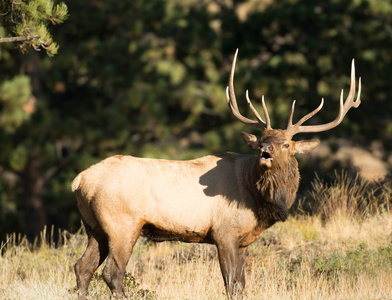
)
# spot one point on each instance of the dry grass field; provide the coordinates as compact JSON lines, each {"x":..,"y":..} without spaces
{"x":342,"y":255}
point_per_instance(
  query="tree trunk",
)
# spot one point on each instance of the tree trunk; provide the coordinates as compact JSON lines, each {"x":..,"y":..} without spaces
{"x":35,"y":213}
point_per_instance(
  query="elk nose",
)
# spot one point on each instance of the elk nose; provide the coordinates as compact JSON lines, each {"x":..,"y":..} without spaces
{"x":267,"y":147}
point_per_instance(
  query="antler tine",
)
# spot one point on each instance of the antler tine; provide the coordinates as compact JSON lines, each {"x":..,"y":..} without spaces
{"x":267,"y":118}
{"x":268,"y":123}
{"x":343,"y":109}
{"x":290,"y":122}
{"x":305,"y":118}
{"x":349,"y":102}
{"x":237,"y":114}
{"x":230,"y":95}
{"x":232,"y":102}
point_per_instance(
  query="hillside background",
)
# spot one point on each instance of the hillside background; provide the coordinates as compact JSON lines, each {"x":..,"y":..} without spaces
{"x":147,"y":78}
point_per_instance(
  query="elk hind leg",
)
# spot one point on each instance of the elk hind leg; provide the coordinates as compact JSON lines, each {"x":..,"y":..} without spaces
{"x":95,"y":253}
{"x":120,"y":250}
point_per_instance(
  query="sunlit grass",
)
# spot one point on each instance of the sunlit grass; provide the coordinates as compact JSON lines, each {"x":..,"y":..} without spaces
{"x":303,"y":258}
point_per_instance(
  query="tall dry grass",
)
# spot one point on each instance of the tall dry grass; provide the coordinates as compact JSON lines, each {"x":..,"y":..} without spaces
{"x":342,"y":256}
{"x":350,"y":196}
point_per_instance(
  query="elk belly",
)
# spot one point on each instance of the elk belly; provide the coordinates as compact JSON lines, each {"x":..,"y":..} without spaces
{"x":178,"y":215}
{"x":157,"y":234}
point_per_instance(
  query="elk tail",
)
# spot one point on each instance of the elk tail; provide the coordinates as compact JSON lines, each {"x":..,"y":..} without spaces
{"x":76,"y":182}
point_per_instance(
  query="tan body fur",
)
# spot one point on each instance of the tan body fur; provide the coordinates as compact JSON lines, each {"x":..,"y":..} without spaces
{"x":184,"y":200}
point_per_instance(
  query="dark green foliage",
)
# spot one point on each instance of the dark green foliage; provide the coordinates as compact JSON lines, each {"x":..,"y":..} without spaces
{"x":148,"y":78}
{"x":15,"y":95}
{"x":30,"y":18}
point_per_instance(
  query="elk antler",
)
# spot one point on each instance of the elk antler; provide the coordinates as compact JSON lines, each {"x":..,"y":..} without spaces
{"x":232,"y":102}
{"x":344,"y":108}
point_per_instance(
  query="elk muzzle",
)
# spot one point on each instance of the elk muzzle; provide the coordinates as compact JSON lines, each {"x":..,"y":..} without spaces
{"x":266,"y":159}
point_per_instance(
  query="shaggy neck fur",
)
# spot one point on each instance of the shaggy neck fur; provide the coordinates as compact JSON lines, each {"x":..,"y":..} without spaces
{"x":274,"y":189}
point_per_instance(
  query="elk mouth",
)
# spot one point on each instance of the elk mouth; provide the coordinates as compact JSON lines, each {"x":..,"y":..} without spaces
{"x":266,"y":159}
{"x":266,"y":156}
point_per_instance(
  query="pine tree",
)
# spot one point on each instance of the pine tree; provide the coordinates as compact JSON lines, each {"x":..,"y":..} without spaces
{"x":27,"y":21}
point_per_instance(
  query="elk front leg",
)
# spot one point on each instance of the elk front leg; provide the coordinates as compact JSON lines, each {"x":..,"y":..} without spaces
{"x":242,"y":253}
{"x":232,"y":264}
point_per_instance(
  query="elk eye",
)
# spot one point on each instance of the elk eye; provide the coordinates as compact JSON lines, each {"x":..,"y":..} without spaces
{"x":286,"y":145}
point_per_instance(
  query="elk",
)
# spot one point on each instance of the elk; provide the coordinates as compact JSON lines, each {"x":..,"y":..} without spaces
{"x":227,"y":200}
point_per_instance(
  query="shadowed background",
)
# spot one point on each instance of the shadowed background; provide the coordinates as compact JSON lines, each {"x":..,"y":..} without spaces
{"x":147,"y":78}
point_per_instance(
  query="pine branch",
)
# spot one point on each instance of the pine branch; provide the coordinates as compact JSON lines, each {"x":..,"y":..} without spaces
{"x":19,"y":39}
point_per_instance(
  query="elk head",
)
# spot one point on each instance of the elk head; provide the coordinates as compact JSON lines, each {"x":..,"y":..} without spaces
{"x":278,"y":143}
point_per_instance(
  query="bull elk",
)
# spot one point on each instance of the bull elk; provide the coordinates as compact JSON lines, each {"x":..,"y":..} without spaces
{"x":227,"y":200}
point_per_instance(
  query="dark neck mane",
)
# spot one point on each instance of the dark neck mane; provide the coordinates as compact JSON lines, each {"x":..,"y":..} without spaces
{"x":274,"y":190}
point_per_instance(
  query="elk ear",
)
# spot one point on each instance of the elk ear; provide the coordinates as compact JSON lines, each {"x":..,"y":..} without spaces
{"x":251,"y":140}
{"x":306,"y":146}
